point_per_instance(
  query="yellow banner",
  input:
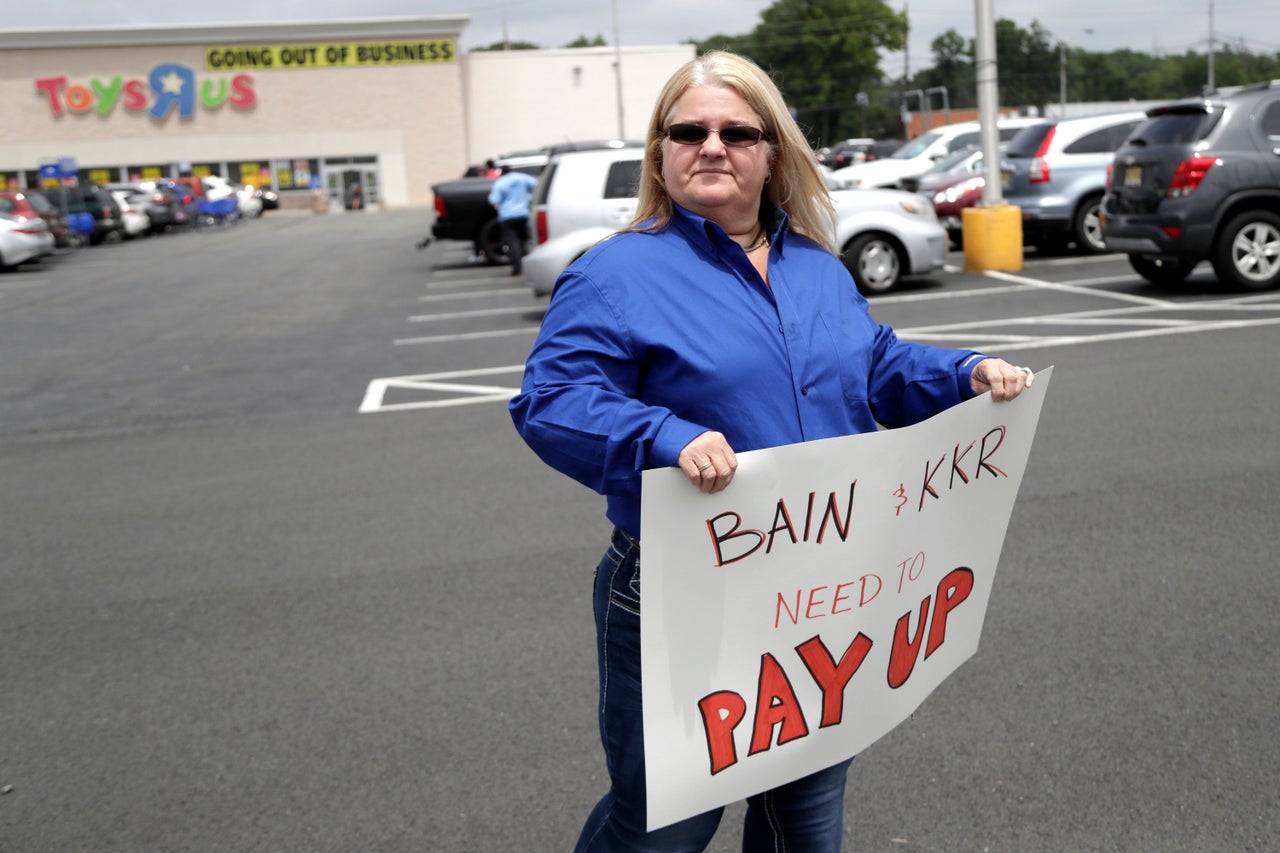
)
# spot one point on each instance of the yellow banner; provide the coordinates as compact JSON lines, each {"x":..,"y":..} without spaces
{"x":340,"y":54}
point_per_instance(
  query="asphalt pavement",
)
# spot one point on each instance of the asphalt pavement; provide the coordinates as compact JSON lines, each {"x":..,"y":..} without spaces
{"x":276,"y":573}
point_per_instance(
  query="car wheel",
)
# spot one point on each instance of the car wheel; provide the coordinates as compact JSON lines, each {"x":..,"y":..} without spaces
{"x":875,"y":262}
{"x":1086,"y":228}
{"x":1158,"y":271}
{"x":491,"y":244}
{"x":1247,"y":254}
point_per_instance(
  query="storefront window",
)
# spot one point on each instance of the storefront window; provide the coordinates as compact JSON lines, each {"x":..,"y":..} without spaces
{"x":147,"y":172}
{"x":296,"y":174}
{"x":253,"y":172}
{"x":10,"y":180}
{"x":204,"y":170}
{"x":100,"y":176}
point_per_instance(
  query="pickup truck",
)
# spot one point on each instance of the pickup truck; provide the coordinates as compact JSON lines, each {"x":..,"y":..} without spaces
{"x":582,"y":198}
{"x":462,"y":205}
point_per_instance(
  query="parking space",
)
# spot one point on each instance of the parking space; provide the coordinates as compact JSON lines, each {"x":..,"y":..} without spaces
{"x":1052,"y":302}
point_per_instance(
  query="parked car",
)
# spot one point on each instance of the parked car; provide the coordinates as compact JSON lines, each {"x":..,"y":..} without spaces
{"x":1056,"y":172}
{"x":1200,"y":180}
{"x":950,"y":200}
{"x":919,"y":154}
{"x":186,"y":202}
{"x":23,"y":239}
{"x":462,"y":205}
{"x":33,"y":203}
{"x":845,"y":153}
{"x":963,"y":163}
{"x":157,"y":200}
{"x":133,"y":214}
{"x":91,"y":211}
{"x":583,"y":197}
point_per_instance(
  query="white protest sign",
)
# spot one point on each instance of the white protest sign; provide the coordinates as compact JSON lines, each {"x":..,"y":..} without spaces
{"x":794,"y":618}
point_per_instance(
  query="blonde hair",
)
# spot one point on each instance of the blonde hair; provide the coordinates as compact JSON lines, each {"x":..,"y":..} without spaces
{"x":795,"y":184}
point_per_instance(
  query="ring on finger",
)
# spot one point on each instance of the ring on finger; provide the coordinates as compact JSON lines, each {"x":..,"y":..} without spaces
{"x":704,"y":466}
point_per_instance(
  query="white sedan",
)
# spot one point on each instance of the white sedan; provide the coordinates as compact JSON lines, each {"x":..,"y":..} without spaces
{"x":23,"y":239}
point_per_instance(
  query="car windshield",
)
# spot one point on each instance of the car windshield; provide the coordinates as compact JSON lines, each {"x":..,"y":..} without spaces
{"x":950,"y":161}
{"x":1177,"y":127}
{"x":917,"y":146}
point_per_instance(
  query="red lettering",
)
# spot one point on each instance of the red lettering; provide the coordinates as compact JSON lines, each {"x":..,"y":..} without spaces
{"x":721,"y":714}
{"x":50,"y":86}
{"x":830,"y":676}
{"x":903,"y":653}
{"x":135,"y":95}
{"x":953,"y":589}
{"x":242,"y":94}
{"x":776,"y":706}
{"x":814,"y":603}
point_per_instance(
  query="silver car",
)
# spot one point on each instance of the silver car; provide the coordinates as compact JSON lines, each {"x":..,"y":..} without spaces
{"x":1056,"y":172}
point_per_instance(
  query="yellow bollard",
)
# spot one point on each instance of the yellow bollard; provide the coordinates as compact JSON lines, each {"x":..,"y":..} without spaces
{"x":992,"y":238}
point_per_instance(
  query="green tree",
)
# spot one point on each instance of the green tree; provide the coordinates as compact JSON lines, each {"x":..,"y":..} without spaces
{"x":509,"y":45}
{"x":583,"y":41}
{"x":1027,"y":65}
{"x":822,"y":53}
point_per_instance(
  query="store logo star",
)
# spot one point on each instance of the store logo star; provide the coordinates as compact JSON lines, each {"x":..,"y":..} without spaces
{"x":172,"y":83}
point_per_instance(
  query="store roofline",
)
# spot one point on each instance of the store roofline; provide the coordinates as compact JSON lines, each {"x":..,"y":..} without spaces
{"x":344,"y":29}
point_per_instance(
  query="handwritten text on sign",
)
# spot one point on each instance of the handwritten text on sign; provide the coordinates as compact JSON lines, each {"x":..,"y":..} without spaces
{"x":799,"y":615}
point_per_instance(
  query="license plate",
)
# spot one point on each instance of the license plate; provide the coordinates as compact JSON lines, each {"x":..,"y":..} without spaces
{"x":1133,"y":176}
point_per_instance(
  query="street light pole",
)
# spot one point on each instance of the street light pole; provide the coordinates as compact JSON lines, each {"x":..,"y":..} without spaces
{"x":617,"y":67}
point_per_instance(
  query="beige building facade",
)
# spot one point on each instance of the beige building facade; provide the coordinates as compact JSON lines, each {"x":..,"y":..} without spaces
{"x":389,"y":104}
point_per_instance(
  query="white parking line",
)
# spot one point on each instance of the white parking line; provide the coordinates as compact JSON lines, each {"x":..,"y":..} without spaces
{"x":480,"y":312}
{"x":465,"y":336}
{"x":506,"y":291}
{"x":375,"y":395}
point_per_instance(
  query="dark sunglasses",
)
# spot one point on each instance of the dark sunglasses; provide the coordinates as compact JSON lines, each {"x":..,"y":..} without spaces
{"x":736,"y":136}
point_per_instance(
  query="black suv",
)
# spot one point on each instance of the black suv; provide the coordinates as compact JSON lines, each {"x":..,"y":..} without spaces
{"x":1200,"y":180}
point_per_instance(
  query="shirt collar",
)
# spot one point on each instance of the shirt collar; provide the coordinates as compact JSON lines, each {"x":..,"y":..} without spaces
{"x":710,"y":237}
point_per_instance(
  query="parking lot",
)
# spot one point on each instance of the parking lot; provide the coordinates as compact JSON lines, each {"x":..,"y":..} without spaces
{"x":277,"y":574}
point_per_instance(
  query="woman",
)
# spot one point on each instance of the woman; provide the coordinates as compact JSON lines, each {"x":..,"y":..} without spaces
{"x":721,"y":321}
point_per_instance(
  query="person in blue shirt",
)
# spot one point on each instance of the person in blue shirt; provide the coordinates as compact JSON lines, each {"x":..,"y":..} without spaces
{"x":510,"y":195}
{"x":721,"y":321}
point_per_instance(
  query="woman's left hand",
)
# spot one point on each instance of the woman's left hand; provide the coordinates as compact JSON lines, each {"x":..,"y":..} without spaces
{"x":1001,"y":378}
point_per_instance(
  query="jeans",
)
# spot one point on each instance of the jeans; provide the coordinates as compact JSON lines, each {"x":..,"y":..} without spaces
{"x":804,"y":816}
{"x":514,"y":234}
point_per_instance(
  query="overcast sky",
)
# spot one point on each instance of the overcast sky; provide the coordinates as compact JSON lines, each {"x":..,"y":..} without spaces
{"x":1163,"y":26}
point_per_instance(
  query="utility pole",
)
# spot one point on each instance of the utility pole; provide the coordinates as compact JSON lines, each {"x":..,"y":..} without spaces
{"x":1211,"y":87}
{"x":617,"y":67}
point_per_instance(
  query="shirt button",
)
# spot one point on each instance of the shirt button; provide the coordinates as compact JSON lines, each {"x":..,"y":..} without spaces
{"x":804,"y":391}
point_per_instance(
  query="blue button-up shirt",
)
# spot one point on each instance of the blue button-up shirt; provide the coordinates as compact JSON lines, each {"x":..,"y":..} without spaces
{"x":510,"y":195}
{"x":653,"y":338}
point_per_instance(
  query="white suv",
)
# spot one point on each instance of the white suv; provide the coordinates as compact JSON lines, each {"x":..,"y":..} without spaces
{"x":583,"y":197}
{"x":915,"y":158}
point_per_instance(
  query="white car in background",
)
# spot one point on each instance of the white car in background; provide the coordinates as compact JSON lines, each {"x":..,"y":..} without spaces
{"x":583,"y":197}
{"x":23,"y":239}
{"x":920,"y":154}
{"x":133,"y":214}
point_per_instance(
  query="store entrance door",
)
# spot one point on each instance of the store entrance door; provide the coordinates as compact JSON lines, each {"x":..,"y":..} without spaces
{"x":353,"y":188}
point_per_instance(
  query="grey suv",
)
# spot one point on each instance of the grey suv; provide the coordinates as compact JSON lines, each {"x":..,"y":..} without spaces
{"x":1056,"y":172}
{"x":1200,"y":180}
